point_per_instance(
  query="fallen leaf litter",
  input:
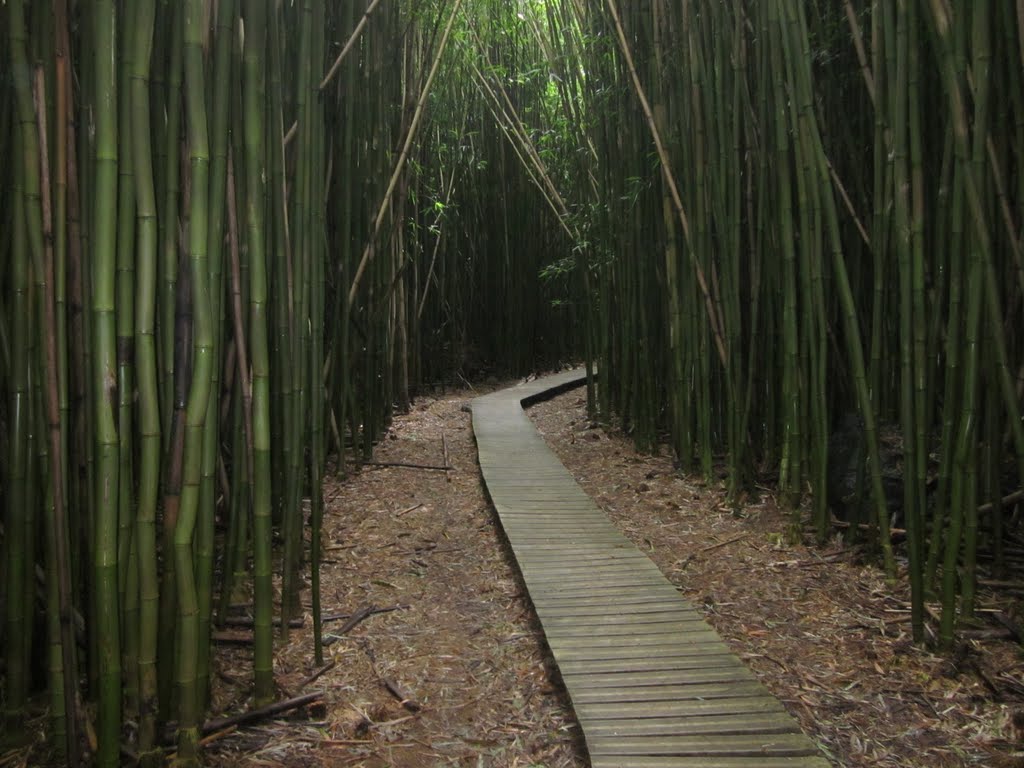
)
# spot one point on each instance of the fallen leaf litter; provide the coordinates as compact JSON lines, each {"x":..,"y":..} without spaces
{"x":446,"y":665}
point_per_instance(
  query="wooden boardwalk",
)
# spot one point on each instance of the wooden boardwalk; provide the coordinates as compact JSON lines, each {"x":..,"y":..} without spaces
{"x":653,"y":686}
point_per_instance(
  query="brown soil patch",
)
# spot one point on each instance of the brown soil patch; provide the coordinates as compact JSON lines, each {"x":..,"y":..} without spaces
{"x":463,"y":646}
{"x":826,"y":634}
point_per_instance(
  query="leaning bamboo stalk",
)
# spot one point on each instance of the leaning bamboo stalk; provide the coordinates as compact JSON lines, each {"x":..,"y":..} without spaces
{"x":512,"y":127}
{"x":352,"y":39}
{"x":670,"y":180}
{"x":385,"y":204}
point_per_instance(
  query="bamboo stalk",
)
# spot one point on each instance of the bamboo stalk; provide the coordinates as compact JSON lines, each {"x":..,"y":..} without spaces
{"x":203,"y":365}
{"x":64,"y":680}
{"x":146,"y":377}
{"x":104,"y":382}
{"x":254,"y":13}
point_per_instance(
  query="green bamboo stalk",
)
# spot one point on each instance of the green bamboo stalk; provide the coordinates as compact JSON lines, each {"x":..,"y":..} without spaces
{"x":255,"y":15}
{"x":854,"y":345}
{"x":147,"y":236}
{"x":900,"y":98}
{"x":125,"y":288}
{"x":296,"y":423}
{"x":63,"y":234}
{"x":981,"y":67}
{"x":174,"y":331}
{"x":236,"y":550}
{"x":953,"y":380}
{"x":199,"y":389}
{"x":922,"y":412}
{"x":221,"y":99}
{"x":316,"y":359}
{"x":26,"y":259}
{"x":17,"y":548}
{"x":168,"y":220}
{"x":104,"y":383}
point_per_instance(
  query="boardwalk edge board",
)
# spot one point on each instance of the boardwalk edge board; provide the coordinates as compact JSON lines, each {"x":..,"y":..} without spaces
{"x":657,"y":692}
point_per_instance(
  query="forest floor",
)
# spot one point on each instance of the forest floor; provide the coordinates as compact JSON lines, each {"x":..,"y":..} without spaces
{"x":824,"y":632}
{"x":453,"y":671}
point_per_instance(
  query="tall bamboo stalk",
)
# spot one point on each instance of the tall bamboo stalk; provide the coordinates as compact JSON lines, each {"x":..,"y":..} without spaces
{"x":146,"y":376}
{"x":255,"y":17}
{"x":203,"y":366}
{"x":104,"y":384}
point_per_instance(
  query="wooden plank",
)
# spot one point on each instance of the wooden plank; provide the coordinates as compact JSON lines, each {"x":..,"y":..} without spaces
{"x":589,"y":555}
{"x":624,"y":620}
{"x":737,"y":745}
{"x":587,"y":574}
{"x":657,"y":590}
{"x":662,"y":653}
{"x":727,"y":689}
{"x":586,"y":598}
{"x":552,"y":585}
{"x":612,"y":628}
{"x":597,"y":614}
{"x":721,"y":725}
{"x":594,"y":641}
{"x":584,"y":682}
{"x":660,"y":663}
{"x":593,"y":563}
{"x":642,"y":709}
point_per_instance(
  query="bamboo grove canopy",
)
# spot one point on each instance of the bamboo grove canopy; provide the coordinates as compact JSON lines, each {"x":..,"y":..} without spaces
{"x":238,"y":234}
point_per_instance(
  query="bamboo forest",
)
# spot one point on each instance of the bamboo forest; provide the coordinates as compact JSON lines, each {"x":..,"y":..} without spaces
{"x":242,"y":240}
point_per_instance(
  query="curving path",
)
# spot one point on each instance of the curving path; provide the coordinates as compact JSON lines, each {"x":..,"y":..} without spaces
{"x":653,"y":686}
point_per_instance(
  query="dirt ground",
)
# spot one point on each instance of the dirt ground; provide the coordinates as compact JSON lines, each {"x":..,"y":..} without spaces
{"x":460,"y":646}
{"x":825,"y":633}
{"x":436,"y":660}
